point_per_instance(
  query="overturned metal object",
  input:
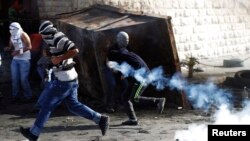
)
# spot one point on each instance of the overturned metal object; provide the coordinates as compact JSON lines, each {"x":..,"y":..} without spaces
{"x":93,"y":30}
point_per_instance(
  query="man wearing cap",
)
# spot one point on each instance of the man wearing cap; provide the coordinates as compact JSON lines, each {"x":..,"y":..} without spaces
{"x":131,"y":89}
{"x":20,"y":46}
{"x":64,"y":85}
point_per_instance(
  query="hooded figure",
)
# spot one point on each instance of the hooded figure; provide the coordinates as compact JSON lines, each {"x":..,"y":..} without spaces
{"x":20,"y":46}
{"x":132,"y":89}
{"x":16,"y":32}
{"x":15,"y":29}
{"x":122,"y":39}
{"x":47,"y":31}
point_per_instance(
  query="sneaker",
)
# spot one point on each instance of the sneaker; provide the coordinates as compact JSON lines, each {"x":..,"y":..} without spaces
{"x":130,"y":122}
{"x":160,"y":105}
{"x":104,"y":124}
{"x":27,"y":134}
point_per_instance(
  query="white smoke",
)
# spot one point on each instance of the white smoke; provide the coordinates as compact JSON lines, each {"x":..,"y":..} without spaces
{"x":224,"y":115}
{"x":201,"y":96}
{"x":155,"y":77}
{"x":193,"y":133}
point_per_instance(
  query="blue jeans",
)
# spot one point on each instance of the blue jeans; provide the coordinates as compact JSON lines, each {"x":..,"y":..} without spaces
{"x":55,"y":93}
{"x":20,"y":77}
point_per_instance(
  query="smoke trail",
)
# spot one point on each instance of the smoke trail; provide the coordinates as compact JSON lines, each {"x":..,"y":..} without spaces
{"x":155,"y":77}
{"x":202,"y":96}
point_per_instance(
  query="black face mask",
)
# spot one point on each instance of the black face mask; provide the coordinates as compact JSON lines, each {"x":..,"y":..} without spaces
{"x":122,"y":41}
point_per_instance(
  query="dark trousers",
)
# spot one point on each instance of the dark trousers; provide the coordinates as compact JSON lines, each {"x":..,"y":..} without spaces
{"x":132,"y":92}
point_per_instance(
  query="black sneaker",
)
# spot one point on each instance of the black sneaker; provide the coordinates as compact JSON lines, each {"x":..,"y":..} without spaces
{"x":27,"y":134}
{"x":104,"y":124}
{"x":161,"y":104}
{"x":130,"y":122}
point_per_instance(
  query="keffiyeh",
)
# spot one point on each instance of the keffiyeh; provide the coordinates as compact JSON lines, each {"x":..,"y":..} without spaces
{"x":16,"y":31}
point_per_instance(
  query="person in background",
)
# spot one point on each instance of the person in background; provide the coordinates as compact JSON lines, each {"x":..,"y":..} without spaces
{"x":131,"y":89}
{"x":20,"y":46}
{"x":16,"y":11}
{"x":43,"y":68}
{"x":63,"y":88}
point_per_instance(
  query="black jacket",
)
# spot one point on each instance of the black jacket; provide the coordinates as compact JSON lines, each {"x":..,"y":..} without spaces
{"x":121,"y":55}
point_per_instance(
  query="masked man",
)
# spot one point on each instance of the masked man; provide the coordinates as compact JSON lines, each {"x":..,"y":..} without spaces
{"x":20,"y":46}
{"x":131,"y":89}
{"x":64,"y":85}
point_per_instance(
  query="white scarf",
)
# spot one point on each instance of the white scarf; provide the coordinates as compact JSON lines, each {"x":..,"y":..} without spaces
{"x":16,"y":32}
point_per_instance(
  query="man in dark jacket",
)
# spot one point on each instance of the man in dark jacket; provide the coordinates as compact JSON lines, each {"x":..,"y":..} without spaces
{"x":131,"y":89}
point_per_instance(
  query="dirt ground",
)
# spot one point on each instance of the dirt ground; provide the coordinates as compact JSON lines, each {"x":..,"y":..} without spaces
{"x":67,"y":127}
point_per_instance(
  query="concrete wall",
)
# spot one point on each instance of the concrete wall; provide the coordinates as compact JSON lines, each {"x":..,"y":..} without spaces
{"x":202,"y":28}
{"x":49,"y":8}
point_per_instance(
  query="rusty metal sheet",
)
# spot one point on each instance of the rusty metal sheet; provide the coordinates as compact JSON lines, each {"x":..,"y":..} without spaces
{"x":94,"y":29}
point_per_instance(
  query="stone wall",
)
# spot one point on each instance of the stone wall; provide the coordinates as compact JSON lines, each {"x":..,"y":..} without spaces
{"x":49,"y":8}
{"x":202,"y":28}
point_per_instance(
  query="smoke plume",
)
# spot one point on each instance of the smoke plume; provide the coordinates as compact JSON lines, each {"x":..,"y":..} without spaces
{"x":201,"y":96}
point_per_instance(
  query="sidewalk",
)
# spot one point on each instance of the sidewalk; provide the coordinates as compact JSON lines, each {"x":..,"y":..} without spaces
{"x":215,"y":70}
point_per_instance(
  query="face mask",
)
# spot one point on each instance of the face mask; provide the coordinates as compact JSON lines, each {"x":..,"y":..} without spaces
{"x":122,"y":39}
{"x":48,"y":41}
{"x":122,"y":42}
{"x":15,"y":29}
{"x":13,"y":32}
{"x":50,"y":36}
